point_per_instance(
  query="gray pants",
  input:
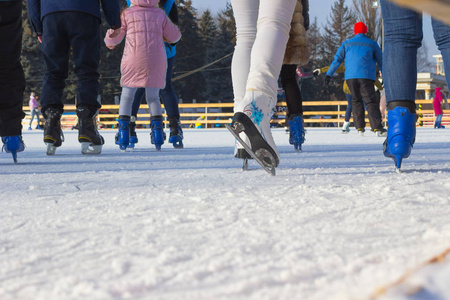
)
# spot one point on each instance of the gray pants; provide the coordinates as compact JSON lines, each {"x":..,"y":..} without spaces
{"x":151,"y":95}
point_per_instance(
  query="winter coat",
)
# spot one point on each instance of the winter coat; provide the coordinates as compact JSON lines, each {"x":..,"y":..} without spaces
{"x":38,"y":9}
{"x":437,"y":102}
{"x":297,"y":51}
{"x":146,"y":27}
{"x":33,"y":103}
{"x":361,"y":56}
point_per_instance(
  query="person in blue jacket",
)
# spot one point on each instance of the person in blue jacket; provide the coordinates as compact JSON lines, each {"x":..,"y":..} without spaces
{"x":168,"y":96}
{"x":62,"y":25}
{"x":12,"y":78}
{"x":361,"y":55}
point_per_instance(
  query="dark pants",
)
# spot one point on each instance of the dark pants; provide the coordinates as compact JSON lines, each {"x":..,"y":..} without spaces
{"x":61,"y":31}
{"x":291,"y":89}
{"x":12,"y":79}
{"x":363,"y":88}
{"x":168,"y":96}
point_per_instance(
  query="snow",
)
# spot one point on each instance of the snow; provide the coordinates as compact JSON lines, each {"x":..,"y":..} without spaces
{"x":336,"y":222}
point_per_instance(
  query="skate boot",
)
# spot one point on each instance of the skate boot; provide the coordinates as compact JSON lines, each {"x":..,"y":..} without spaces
{"x":176,"y":133}
{"x":252,"y":119}
{"x":361,"y":131}
{"x":157,"y":135}
{"x":346,"y":127}
{"x":123,"y":136}
{"x":401,"y":134}
{"x":53,"y":135}
{"x":13,"y":144}
{"x":380,"y":132}
{"x":133,"y":135}
{"x":91,"y":141}
{"x":296,"y":132}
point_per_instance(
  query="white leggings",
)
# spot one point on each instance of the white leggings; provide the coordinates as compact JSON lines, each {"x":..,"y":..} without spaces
{"x":151,"y":95}
{"x":262,"y":31}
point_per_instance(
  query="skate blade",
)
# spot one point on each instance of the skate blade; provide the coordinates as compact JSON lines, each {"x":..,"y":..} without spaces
{"x":89,"y":149}
{"x":51,"y":149}
{"x":260,"y":156}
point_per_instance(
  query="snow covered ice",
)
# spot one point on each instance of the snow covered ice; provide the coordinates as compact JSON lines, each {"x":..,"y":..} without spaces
{"x":337,"y":222}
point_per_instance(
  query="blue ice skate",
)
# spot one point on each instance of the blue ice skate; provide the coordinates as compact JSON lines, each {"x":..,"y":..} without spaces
{"x":13,"y":144}
{"x":123,"y":136}
{"x":176,"y":133}
{"x":296,"y":132}
{"x":401,"y":134}
{"x":133,"y":135}
{"x":157,"y":135}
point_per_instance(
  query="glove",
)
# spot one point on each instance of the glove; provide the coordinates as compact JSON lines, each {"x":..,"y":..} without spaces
{"x":316,"y":72}
{"x":327,"y":79}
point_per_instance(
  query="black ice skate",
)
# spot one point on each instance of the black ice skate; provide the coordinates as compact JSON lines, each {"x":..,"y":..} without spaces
{"x":53,"y":135}
{"x":258,"y":148}
{"x":91,"y":141}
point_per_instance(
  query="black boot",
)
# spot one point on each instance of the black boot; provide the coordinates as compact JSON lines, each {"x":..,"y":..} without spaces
{"x":91,"y":141}
{"x":176,"y":133}
{"x":133,"y":135}
{"x":53,"y":136}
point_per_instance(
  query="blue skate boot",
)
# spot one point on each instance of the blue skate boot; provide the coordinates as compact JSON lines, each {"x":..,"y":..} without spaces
{"x":296,"y":132}
{"x":157,"y":136}
{"x":123,"y":136}
{"x":176,"y":133}
{"x":13,"y":144}
{"x":401,"y":134}
{"x":133,"y":135}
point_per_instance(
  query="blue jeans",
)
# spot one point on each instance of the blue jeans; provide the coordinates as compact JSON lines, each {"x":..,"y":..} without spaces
{"x":403,"y":36}
{"x":168,"y":96}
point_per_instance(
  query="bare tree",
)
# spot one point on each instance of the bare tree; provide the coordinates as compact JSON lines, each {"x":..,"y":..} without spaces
{"x":365,"y":12}
{"x":424,"y":65}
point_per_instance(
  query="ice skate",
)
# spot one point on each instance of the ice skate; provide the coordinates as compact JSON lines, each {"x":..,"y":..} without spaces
{"x":346,"y":128}
{"x":361,"y":131}
{"x":380,"y":132}
{"x":133,"y":135}
{"x":253,"y":122}
{"x":91,"y":141}
{"x":157,"y":135}
{"x":296,"y":132}
{"x":401,"y":134}
{"x":13,"y":144}
{"x":53,"y":135}
{"x":176,"y":133}
{"x":123,"y":136}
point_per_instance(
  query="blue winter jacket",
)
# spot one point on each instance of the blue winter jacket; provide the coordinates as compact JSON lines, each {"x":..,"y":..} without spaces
{"x":361,"y":55}
{"x":171,"y":50}
{"x":38,"y":9}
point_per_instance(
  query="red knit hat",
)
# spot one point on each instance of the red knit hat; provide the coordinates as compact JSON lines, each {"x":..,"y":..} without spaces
{"x":360,"y":27}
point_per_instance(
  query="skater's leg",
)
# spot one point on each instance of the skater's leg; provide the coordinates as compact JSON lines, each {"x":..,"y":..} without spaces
{"x":140,"y":92}
{"x":168,"y":96}
{"x":348,"y":111}
{"x":126,"y":100}
{"x":357,"y":103}
{"x":292,"y":90}
{"x":442,"y":36}
{"x":372,"y":103}
{"x":246,"y":16}
{"x":152,"y":97}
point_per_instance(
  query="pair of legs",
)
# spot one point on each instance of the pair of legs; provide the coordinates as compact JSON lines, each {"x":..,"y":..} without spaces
{"x":63,"y":31}
{"x":262,"y":31}
{"x":35,"y":113}
{"x":128,"y":97}
{"x":403,"y":36}
{"x":363,"y":90}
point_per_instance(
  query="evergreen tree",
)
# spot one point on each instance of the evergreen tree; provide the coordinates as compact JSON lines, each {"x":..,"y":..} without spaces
{"x":208,"y":35}
{"x":339,"y":28}
{"x":189,"y":54}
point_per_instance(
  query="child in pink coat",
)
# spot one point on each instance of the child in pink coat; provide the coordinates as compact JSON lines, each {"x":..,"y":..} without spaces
{"x":146,"y":28}
{"x":437,"y":105}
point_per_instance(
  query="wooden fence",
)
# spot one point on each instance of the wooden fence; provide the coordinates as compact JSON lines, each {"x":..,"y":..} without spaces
{"x":316,"y":113}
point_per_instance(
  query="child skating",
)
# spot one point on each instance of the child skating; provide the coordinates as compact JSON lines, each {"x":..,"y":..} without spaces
{"x":144,"y":63}
{"x":437,"y":105}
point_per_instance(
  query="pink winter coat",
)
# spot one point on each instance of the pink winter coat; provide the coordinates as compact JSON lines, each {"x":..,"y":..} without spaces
{"x":437,"y":101}
{"x":144,"y":61}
